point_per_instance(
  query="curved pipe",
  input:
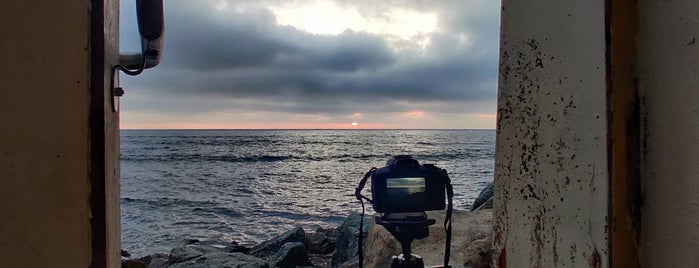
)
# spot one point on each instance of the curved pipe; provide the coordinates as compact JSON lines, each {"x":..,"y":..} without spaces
{"x":151,"y":26}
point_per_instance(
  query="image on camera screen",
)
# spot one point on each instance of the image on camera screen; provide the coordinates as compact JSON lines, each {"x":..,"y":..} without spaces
{"x":406,"y":192}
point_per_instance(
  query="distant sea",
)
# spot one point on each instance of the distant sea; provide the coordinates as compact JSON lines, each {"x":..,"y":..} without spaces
{"x":249,"y":185}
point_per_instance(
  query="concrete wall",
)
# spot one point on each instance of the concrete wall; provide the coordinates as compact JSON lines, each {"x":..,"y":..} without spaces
{"x":44,"y":101}
{"x":668,"y":82}
{"x":551,"y":150}
{"x":597,"y":150}
{"x":51,"y":142}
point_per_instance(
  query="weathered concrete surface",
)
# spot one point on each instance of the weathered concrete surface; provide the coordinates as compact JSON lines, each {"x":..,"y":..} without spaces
{"x":44,"y":101}
{"x":551,"y":151}
{"x":466,"y":228}
{"x":668,"y":81}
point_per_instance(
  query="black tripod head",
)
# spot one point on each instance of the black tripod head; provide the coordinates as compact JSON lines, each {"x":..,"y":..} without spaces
{"x":406,"y":227}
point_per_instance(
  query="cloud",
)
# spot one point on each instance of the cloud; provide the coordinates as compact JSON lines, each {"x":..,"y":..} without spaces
{"x":239,"y":57}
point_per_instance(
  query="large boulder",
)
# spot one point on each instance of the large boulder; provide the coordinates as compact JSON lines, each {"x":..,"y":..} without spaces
{"x":351,"y":263}
{"x":485,"y":195}
{"x":133,"y":264}
{"x":232,"y":246}
{"x":157,"y":260}
{"x":222,"y":259}
{"x":479,"y":253}
{"x":189,"y":252}
{"x":290,"y":255}
{"x":320,"y":243}
{"x":271,"y":246}
{"x":467,"y":227}
{"x":348,"y":239}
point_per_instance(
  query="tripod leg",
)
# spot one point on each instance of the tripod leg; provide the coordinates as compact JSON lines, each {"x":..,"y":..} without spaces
{"x":401,"y":262}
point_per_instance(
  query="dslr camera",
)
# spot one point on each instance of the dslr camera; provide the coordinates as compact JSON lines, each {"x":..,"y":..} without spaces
{"x":404,"y":185}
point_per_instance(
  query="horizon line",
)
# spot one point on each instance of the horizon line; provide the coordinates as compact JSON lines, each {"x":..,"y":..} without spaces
{"x":306,"y":128}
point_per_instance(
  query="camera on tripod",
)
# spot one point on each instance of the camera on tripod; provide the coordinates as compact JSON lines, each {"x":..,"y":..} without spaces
{"x":401,"y":193}
{"x":404,"y":185}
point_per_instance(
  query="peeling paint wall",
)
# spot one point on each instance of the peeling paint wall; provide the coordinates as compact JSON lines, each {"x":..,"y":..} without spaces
{"x":551,"y":152}
{"x":668,"y":79}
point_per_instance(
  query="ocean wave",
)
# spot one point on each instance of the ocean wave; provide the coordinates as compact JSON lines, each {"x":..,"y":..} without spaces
{"x":228,"y":212}
{"x":475,"y":154}
{"x":165,"y":202}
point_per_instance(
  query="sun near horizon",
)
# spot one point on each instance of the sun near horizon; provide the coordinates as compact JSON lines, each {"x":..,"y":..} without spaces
{"x":414,"y":119}
{"x":477,"y":122}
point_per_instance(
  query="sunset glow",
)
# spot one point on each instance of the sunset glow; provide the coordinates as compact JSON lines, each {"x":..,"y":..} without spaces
{"x":414,"y":114}
{"x":202,"y":125}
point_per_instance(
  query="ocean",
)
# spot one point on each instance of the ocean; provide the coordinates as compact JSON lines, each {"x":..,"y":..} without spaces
{"x":250,"y":185}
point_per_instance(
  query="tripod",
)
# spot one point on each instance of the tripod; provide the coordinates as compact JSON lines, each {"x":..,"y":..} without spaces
{"x":406,"y":227}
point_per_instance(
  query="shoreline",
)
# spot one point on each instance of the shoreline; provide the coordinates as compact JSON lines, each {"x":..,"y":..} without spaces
{"x":471,"y":240}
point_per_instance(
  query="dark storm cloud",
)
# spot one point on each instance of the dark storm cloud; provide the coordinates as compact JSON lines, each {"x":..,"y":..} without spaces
{"x":245,"y":55}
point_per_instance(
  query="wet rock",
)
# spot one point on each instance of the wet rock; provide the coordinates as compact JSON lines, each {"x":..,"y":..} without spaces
{"x":319,"y":242}
{"x":158,"y":260}
{"x":270,"y":247}
{"x":222,"y":259}
{"x":223,"y":246}
{"x":485,"y":195}
{"x":235,"y":247}
{"x":330,"y":233}
{"x":290,"y":255}
{"x":125,"y":253}
{"x":320,"y":260}
{"x":133,"y":264}
{"x":352,"y":263}
{"x":189,"y":252}
{"x":348,"y":239}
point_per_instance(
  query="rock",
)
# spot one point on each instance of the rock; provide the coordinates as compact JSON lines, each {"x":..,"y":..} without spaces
{"x":125,"y":253}
{"x":485,"y":195}
{"x":222,"y":259}
{"x":133,"y":264}
{"x":352,"y":263}
{"x":380,"y":247}
{"x":330,"y":233}
{"x":158,"y":260}
{"x":143,"y":262}
{"x":347,"y":239}
{"x":235,"y":247}
{"x":479,"y":253}
{"x":182,"y":254}
{"x":467,"y":227}
{"x":320,"y":260}
{"x":270,"y":247}
{"x":319,"y":242}
{"x":223,"y":246}
{"x":290,"y":255}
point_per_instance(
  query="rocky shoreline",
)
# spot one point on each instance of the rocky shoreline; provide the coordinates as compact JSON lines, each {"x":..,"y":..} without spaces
{"x":333,"y":247}
{"x":293,"y":248}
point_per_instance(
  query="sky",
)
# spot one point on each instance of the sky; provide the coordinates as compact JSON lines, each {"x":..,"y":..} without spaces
{"x":272,"y":64}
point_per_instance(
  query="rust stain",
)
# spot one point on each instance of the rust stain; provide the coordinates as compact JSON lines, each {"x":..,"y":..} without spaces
{"x":595,"y":259}
{"x":502,"y":259}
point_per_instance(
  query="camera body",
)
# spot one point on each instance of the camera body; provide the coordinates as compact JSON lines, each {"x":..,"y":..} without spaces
{"x":404,"y":185}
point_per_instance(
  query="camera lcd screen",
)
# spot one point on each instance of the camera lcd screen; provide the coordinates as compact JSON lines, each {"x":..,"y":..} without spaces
{"x":406,"y":192}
